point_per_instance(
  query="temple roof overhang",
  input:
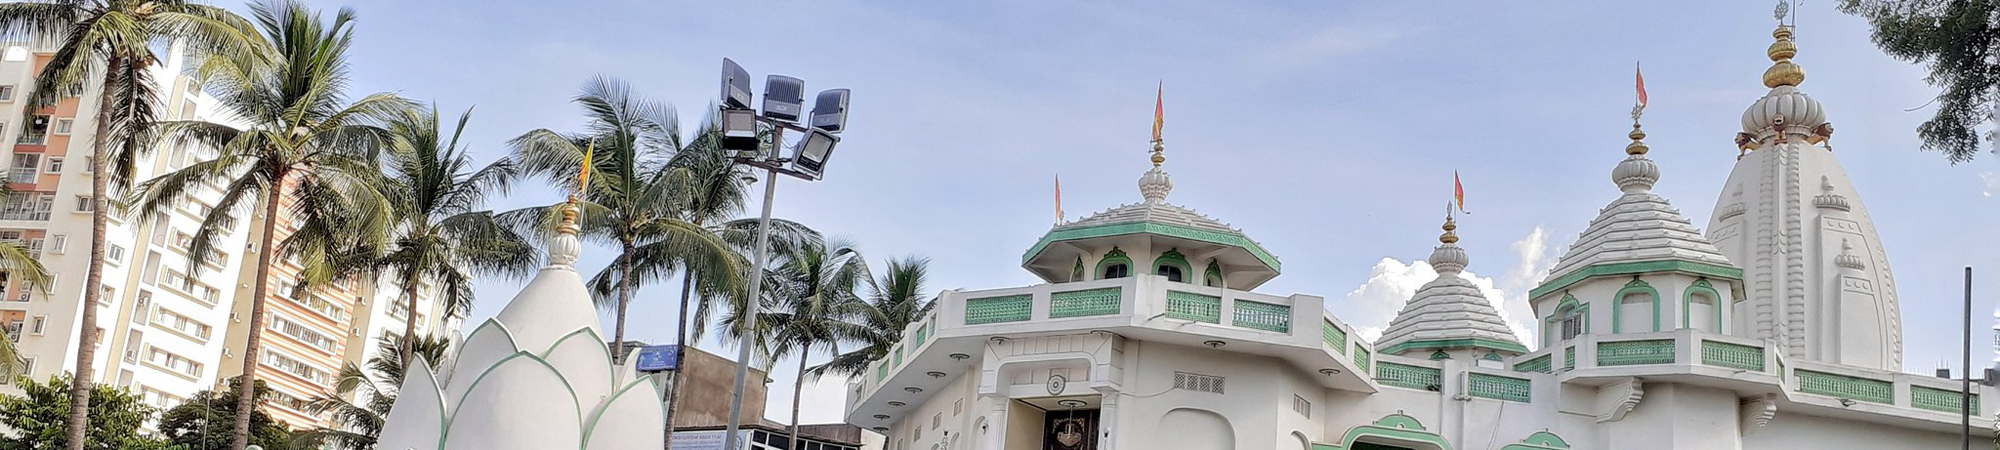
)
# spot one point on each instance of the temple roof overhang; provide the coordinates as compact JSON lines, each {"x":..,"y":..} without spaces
{"x":1246,"y":263}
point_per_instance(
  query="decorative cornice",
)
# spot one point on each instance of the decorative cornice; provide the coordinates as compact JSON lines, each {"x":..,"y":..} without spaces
{"x":1446,"y":344}
{"x":1097,"y":231}
{"x":1628,"y":268}
{"x":1755,"y":412}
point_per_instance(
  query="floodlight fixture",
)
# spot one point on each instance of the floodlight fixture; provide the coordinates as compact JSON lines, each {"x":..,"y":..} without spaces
{"x":735,"y":85}
{"x":810,"y":159}
{"x":830,"y":110}
{"x":739,"y":132}
{"x":784,"y":97}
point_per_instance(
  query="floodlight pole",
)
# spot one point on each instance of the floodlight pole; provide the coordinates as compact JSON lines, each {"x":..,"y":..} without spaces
{"x":754,"y":303}
{"x":1965,"y":382}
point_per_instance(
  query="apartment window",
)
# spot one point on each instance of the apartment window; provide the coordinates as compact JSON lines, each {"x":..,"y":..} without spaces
{"x":58,"y":243}
{"x":7,"y":93}
{"x":150,"y":274}
{"x":319,"y":304}
{"x":26,"y":167}
{"x":139,"y":307}
{"x":55,"y":164}
{"x":11,"y":236}
{"x":164,"y":318}
{"x":294,"y":329}
{"x":63,"y":126}
{"x":14,"y":328}
{"x":85,"y":203}
{"x":89,"y":163}
{"x":287,"y":401}
{"x":105,"y":293}
{"x":158,"y":398}
{"x":288,"y":364}
{"x":170,"y":361}
{"x":38,"y":131}
{"x":115,"y":254}
{"x":183,"y":241}
{"x":215,"y":258}
{"x":160,"y":228}
{"x":1301,"y":406}
{"x":39,"y":325}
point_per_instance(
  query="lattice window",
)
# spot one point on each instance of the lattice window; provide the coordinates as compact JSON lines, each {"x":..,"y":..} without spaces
{"x":1940,"y":400}
{"x":1408,"y":376}
{"x":1537,"y":364}
{"x":1628,"y":353}
{"x":1361,"y":358}
{"x":1198,"y":382}
{"x":1012,"y":308}
{"x":1498,"y":387}
{"x":1569,"y":358}
{"x":1195,"y":307}
{"x":1854,"y":388}
{"x":1333,"y":336}
{"x":1263,"y":316}
{"x":1094,"y":302}
{"x":1738,"y":356}
{"x":1301,"y":406}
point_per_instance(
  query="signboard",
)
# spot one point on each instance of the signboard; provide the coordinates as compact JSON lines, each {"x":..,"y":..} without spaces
{"x":658,"y":358}
{"x":703,"y":440}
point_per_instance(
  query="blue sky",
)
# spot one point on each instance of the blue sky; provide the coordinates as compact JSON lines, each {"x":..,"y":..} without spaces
{"x":1326,"y":130}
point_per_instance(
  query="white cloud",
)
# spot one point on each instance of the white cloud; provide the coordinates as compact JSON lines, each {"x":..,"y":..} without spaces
{"x":1392,"y":282}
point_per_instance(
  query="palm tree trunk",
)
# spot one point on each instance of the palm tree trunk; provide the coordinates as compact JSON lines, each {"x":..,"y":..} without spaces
{"x":680,"y":348}
{"x":409,"y":319}
{"x":798,"y":386}
{"x":246,"y":401}
{"x":86,"y":342}
{"x":624,"y":299}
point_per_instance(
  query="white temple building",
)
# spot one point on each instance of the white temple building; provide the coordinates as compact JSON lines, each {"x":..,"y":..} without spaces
{"x":1776,"y":329}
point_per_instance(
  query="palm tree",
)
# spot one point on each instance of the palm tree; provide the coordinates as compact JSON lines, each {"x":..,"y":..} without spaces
{"x":107,"y":42}
{"x":816,"y":308}
{"x":357,"y":425}
{"x":305,"y":142}
{"x":895,"y":301}
{"x":18,"y":265}
{"x":437,"y":236}
{"x":635,"y":200}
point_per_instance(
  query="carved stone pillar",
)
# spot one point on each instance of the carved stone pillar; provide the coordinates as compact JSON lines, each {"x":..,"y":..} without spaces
{"x":1107,"y":421}
{"x":992,"y":433}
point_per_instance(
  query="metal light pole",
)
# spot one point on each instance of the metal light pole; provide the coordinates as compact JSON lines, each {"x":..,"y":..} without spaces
{"x":783,"y":108}
{"x":1965,"y":382}
{"x":755,"y":302}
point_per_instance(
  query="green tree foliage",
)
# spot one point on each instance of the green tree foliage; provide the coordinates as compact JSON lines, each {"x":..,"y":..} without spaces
{"x":357,"y":424}
{"x":1954,"y":40}
{"x":38,"y":419}
{"x":204,"y":422}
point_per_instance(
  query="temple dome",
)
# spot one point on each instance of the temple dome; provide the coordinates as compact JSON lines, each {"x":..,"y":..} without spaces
{"x":1638,"y":226}
{"x":1165,"y":224}
{"x":1449,"y":312}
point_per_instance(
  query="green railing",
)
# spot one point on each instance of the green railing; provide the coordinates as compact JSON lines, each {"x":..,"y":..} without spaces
{"x":1333,"y":336}
{"x":1093,"y":302}
{"x":1413,"y":377}
{"x":1011,"y":308}
{"x":1736,"y":356}
{"x":1632,"y":353}
{"x":1263,"y":316}
{"x":1195,"y":307}
{"x":1854,"y":388}
{"x":1537,"y":364}
{"x":1361,"y":357}
{"x":1940,"y":400}
{"x":1498,"y":387}
{"x":1569,"y":358}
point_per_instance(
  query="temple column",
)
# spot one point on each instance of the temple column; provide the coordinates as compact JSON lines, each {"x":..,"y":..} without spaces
{"x":992,"y":435}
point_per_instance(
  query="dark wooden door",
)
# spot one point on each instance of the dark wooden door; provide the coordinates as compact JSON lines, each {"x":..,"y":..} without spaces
{"x":1070,"y":430}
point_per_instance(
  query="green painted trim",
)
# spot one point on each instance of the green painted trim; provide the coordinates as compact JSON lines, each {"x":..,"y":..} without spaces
{"x":1212,"y":237}
{"x":1174,"y":258}
{"x":595,"y":341}
{"x":1076,"y":274}
{"x":1437,"y":355}
{"x":629,"y":387}
{"x":1112,"y":257}
{"x":1397,"y":427}
{"x":1541,"y":440}
{"x":1214,"y":270}
{"x":1618,"y":299}
{"x":1446,"y":344}
{"x":1549,"y":329}
{"x":1687,"y":303}
{"x":1688,"y":267}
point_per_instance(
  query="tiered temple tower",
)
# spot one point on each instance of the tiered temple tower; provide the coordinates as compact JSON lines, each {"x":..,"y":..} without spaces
{"x":1817,"y":280}
{"x":1449,"y":318}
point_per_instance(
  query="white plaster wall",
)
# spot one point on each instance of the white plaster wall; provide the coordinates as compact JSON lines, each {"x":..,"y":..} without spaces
{"x":1798,"y":431}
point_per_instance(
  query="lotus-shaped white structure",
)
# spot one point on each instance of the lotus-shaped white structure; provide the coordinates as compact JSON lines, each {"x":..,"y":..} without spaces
{"x":536,"y":376}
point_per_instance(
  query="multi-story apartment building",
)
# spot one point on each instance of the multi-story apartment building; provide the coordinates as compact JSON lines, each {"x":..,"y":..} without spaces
{"x":167,"y":328}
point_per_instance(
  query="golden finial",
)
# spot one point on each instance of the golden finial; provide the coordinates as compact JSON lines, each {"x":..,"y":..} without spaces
{"x":1783,"y":72}
{"x":1638,"y":145}
{"x":1450,"y":225}
{"x":1159,"y":120}
{"x":569,"y":209}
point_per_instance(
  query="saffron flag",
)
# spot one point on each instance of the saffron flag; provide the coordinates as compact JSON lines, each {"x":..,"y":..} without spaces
{"x":1159,"y":110}
{"x":1059,"y":214}
{"x":1639,"y":79}
{"x":1458,"y":192}
{"x":583,"y":176}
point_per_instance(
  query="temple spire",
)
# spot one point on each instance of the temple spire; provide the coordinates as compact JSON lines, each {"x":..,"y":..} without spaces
{"x":1155,"y":183}
{"x":1783,"y":72}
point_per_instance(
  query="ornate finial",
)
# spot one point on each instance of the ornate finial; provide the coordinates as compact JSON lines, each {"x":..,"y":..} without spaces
{"x":1847,"y":258}
{"x":1159,"y":120}
{"x":1638,"y":145}
{"x":1783,"y":72}
{"x":563,"y":248}
{"x":1636,"y":173}
{"x":1450,"y":225}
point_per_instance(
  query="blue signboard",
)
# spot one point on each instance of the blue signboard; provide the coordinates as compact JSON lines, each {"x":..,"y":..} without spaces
{"x":658,"y":358}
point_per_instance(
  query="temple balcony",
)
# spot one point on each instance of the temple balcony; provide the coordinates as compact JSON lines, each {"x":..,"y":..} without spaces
{"x":1150,"y":308}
